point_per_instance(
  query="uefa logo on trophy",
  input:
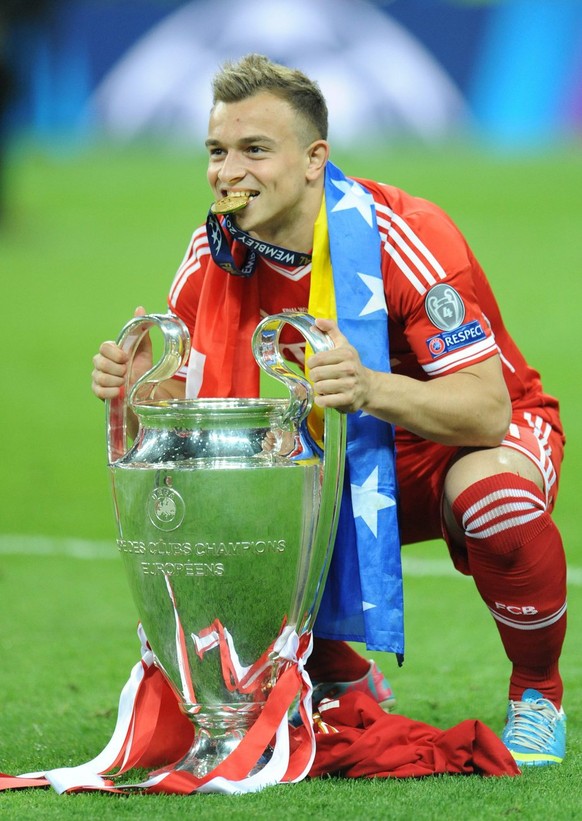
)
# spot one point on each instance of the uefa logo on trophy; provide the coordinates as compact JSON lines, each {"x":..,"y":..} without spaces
{"x":165,"y":508}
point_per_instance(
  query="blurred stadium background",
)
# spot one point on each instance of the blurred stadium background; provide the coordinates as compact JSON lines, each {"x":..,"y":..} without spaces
{"x":504,"y":72}
{"x":103,"y":107}
{"x":508,"y":72}
{"x":113,"y":93}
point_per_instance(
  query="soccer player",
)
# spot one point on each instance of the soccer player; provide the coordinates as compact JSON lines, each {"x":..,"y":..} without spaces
{"x":478,"y":441}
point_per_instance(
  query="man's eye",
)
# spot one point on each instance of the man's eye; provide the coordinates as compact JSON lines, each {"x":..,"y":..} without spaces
{"x":216,"y":152}
{"x":255,"y":149}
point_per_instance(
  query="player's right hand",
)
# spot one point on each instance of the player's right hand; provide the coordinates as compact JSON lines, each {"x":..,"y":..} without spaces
{"x":110,"y":365}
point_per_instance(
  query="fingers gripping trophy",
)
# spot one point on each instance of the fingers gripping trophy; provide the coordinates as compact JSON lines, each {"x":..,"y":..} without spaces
{"x":226,"y":540}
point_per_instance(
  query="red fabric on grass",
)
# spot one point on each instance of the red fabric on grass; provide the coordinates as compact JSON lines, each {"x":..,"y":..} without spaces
{"x":368,"y":742}
{"x":372,"y":743}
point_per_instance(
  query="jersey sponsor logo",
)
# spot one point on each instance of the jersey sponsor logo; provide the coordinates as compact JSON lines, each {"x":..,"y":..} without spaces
{"x":444,"y":307}
{"x":453,"y":340}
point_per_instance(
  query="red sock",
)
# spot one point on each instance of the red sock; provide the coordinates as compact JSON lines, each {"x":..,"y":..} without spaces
{"x":335,"y":661}
{"x":517,"y":560}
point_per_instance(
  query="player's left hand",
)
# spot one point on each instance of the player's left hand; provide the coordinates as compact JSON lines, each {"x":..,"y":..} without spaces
{"x":339,"y":378}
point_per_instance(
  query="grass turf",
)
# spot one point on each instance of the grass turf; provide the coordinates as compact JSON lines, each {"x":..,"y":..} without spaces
{"x":87,"y":237}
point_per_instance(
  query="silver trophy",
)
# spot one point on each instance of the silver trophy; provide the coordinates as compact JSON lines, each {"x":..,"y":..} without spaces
{"x":226,"y":513}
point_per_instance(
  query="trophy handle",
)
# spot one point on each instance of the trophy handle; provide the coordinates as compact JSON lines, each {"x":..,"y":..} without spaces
{"x":176,"y":339}
{"x":266,"y":351}
{"x":265,"y":344}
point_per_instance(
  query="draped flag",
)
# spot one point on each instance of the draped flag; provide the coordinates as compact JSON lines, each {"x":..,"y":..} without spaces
{"x":363,"y":598}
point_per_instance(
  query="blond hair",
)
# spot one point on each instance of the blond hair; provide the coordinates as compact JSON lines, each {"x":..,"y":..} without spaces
{"x":255,"y":73}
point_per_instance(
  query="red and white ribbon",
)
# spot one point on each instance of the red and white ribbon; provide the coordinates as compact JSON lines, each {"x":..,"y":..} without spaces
{"x":151,"y":729}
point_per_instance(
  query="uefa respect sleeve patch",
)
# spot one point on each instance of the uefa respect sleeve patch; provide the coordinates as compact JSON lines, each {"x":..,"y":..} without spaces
{"x":460,"y":337}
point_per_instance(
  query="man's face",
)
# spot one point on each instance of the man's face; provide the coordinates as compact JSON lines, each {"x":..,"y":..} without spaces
{"x":256,"y":145}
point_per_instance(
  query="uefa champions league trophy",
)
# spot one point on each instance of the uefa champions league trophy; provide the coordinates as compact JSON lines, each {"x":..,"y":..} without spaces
{"x":225,"y":539}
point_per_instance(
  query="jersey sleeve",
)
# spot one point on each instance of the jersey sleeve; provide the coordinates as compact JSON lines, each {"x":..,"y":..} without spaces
{"x":430,"y":281}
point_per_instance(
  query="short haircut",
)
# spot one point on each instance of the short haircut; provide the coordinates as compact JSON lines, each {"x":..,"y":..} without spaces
{"x":255,"y":73}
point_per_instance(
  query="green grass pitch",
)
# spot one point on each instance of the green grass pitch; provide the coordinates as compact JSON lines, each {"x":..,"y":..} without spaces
{"x":89,"y":235}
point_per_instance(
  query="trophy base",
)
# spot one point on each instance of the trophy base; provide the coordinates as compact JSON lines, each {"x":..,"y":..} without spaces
{"x":218,"y":732}
{"x":208,"y":751}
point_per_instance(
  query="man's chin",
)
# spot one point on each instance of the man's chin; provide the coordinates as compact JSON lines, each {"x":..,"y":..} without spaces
{"x":246,"y":222}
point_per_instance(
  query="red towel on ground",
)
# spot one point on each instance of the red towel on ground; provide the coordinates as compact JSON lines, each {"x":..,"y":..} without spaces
{"x":370,"y":742}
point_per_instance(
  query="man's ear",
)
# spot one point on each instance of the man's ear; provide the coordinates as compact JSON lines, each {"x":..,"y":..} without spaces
{"x":317,"y":156}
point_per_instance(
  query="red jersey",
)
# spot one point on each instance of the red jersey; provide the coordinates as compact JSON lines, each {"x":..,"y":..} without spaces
{"x":442,"y":314}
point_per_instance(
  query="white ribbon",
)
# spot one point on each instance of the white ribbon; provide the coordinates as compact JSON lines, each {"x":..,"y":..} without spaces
{"x":92,"y":774}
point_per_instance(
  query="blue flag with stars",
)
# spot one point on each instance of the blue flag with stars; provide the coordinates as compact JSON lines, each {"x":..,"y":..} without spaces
{"x":363,"y":600}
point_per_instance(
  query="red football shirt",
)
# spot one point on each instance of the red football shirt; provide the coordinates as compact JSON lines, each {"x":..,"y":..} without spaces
{"x":442,"y":314}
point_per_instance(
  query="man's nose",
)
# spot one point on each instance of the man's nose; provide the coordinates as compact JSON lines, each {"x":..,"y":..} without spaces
{"x":231,"y":169}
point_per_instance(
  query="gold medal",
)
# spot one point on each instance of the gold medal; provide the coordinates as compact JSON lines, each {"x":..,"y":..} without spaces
{"x":230,"y":204}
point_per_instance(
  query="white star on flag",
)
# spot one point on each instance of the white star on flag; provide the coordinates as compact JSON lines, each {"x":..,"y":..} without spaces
{"x":354,"y":196}
{"x":366,"y":501}
{"x":377,"y":301}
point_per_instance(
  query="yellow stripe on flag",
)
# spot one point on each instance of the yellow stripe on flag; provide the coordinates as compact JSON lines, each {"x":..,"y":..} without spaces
{"x":321,"y":293}
{"x":321,"y":298}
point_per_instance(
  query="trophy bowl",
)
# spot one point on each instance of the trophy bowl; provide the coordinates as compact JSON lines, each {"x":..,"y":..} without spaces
{"x":226,"y":539}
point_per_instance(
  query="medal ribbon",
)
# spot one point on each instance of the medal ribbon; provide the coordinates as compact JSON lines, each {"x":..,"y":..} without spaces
{"x":222,"y":256}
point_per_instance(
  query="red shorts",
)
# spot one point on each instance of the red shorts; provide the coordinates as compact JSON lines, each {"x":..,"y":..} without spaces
{"x":422,"y":468}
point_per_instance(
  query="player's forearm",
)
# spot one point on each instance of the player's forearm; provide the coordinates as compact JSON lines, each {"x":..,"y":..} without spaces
{"x":453,"y":410}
